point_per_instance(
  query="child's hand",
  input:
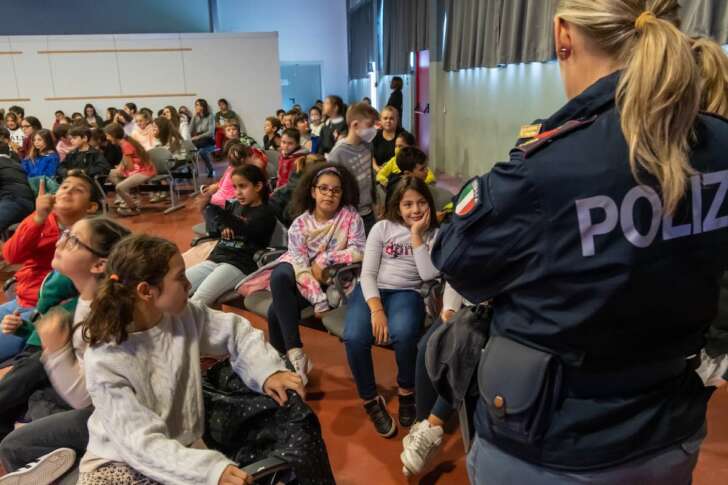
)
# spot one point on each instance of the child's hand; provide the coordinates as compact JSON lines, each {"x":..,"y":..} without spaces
{"x":379,"y":327}
{"x":227,"y":233}
{"x":11,"y":323}
{"x":211,"y":189}
{"x":43,"y":203}
{"x":318,"y":272}
{"x":233,"y":475}
{"x":277,"y":384}
{"x":54,"y":331}
{"x":419,"y":228}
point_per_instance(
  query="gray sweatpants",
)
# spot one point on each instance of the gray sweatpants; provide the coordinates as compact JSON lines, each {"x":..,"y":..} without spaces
{"x":488,"y":465}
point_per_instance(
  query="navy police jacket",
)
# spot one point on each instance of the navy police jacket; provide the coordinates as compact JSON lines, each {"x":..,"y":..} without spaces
{"x":580,"y":260}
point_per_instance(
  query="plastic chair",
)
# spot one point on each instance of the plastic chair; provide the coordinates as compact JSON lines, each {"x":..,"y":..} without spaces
{"x":161,"y":158}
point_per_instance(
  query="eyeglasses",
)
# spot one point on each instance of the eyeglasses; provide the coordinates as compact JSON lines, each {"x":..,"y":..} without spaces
{"x":70,"y":241}
{"x":327,"y":189}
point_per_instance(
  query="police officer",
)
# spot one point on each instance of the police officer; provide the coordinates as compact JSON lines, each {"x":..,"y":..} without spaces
{"x":601,"y":243}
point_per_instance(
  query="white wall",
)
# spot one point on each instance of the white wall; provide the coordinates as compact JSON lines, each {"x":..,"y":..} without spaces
{"x":309,"y":30}
{"x":243,"y":68}
{"x":476,"y":114}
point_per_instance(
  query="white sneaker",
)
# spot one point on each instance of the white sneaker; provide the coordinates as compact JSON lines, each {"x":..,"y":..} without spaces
{"x":43,"y":471}
{"x":301,"y":363}
{"x":420,"y":445}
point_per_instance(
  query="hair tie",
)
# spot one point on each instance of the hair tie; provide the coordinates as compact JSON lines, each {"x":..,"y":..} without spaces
{"x":643,"y":19}
{"x":114,"y":277}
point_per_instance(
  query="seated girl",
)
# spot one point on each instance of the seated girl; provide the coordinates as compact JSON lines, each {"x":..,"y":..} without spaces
{"x":80,"y":255}
{"x":327,"y":231}
{"x":246,"y":226}
{"x":386,"y":307}
{"x":134,"y":170}
{"x":219,"y":193}
{"x":43,"y":159}
{"x":33,"y":245}
{"x":143,"y":371}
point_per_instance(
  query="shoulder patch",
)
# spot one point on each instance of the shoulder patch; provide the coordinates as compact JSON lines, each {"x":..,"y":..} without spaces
{"x":530,"y":131}
{"x":534,"y":144}
{"x":469,"y":198}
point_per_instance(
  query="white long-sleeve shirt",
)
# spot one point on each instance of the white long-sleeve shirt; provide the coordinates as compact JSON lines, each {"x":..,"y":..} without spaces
{"x":65,"y":366}
{"x":390,"y":263}
{"x":147,"y":393}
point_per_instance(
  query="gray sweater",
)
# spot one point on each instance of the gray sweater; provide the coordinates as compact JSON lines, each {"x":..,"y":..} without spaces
{"x":390,"y":263}
{"x":358,"y":159}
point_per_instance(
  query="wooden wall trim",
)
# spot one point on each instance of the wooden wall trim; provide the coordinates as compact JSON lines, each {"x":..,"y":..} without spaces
{"x":10,"y":53}
{"x":101,"y":51}
{"x":12,"y":100}
{"x":121,"y":96}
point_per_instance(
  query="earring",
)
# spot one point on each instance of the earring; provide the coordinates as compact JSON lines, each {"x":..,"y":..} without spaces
{"x":564,"y":53}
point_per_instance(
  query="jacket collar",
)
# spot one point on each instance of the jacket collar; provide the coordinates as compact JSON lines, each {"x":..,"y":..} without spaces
{"x":594,"y":100}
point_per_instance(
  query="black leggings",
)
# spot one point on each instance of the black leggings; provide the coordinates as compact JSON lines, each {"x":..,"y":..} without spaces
{"x":284,"y":313}
{"x":427,"y":401}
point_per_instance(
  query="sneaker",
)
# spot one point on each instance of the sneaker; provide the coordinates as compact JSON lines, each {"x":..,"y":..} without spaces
{"x":158,"y":197}
{"x":407,"y":410}
{"x":420,"y":445}
{"x":383,"y":422}
{"x":43,"y":471}
{"x":128,"y":212}
{"x":118,"y":202}
{"x":301,"y":363}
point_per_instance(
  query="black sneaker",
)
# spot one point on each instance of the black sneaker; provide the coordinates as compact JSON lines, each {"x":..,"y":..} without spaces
{"x":383,"y":422}
{"x":407,"y":410}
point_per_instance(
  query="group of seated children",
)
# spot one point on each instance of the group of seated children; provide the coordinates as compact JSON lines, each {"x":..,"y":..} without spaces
{"x":126,"y":303}
{"x":119,"y":344}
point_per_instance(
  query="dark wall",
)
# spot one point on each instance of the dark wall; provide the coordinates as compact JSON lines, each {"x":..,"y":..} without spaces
{"x":57,"y":17}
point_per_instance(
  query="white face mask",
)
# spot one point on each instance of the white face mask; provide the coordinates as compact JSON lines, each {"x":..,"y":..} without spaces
{"x":367,"y":134}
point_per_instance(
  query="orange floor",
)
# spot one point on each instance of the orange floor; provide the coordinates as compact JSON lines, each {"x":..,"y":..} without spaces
{"x":357,"y":454}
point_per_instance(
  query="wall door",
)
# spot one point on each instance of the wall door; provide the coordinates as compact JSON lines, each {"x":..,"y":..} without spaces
{"x":300,"y":84}
{"x":422,"y":100}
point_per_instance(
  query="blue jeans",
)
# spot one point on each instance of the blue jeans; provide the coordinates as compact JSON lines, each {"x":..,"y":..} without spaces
{"x":13,"y":211}
{"x":11,"y":344}
{"x":405,"y":312}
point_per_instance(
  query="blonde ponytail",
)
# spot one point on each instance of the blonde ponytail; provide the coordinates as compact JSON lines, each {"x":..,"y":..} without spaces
{"x":712,"y":61}
{"x":658,"y":95}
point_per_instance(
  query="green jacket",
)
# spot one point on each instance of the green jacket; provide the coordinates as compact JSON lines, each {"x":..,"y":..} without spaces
{"x":56,"y":290}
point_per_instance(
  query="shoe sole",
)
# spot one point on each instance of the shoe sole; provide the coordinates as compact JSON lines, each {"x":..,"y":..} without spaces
{"x":47,"y":472}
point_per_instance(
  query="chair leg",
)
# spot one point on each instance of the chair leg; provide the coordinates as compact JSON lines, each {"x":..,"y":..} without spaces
{"x":174,"y":204}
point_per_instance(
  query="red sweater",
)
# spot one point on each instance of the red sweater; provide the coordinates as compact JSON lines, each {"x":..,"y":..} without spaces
{"x":33,"y":246}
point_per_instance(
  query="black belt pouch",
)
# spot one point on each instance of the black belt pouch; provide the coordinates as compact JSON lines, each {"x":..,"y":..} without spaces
{"x":520,"y":386}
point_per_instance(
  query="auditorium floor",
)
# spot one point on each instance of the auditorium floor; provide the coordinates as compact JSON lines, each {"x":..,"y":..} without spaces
{"x":357,"y":454}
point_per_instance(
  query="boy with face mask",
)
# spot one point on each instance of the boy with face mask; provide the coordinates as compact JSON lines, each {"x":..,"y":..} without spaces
{"x":355,"y":153}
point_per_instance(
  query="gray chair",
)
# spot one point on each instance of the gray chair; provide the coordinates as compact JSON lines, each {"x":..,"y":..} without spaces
{"x":440,"y":196}
{"x":272,"y":167}
{"x":161,"y":158}
{"x":193,"y":159}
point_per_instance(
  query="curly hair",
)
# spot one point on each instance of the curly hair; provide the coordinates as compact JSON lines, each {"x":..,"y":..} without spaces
{"x":302,"y":200}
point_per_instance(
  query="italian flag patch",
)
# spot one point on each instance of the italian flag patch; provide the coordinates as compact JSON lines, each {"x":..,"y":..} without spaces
{"x":469,"y":199}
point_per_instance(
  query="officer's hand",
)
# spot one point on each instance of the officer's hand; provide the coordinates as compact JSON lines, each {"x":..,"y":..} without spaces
{"x":379,"y":327}
{"x":11,"y":323}
{"x":43,"y":203}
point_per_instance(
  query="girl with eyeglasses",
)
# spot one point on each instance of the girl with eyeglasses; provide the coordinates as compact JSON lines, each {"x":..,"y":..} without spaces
{"x":78,"y":263}
{"x":327,"y":230}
